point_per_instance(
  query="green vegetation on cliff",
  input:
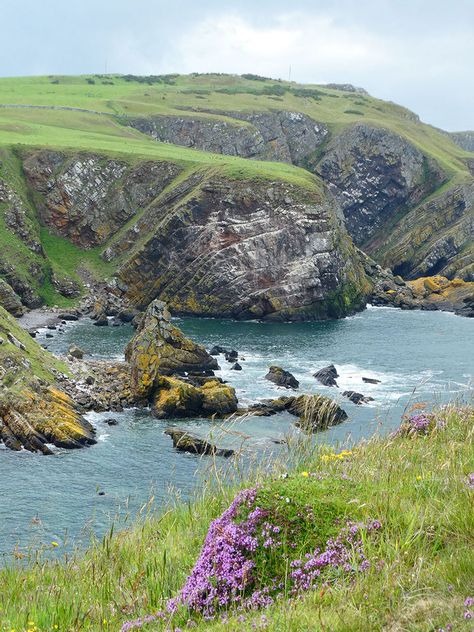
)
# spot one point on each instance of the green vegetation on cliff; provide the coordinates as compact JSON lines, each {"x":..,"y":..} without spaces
{"x":417,"y":487}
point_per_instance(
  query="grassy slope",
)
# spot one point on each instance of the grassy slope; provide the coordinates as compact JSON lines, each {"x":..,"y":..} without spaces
{"x":130,"y":98}
{"x":415,"y":486}
{"x":33,"y":360}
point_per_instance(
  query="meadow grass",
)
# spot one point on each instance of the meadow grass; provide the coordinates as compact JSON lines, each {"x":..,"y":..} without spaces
{"x":112,"y":98}
{"x":416,"y":486}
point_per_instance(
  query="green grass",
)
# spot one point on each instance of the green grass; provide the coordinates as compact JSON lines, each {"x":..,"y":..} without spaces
{"x":187,"y":92}
{"x":416,"y":487}
{"x":33,"y":360}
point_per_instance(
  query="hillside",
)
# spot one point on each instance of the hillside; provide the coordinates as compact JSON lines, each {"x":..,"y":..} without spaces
{"x":384,"y":530}
{"x":405,"y":190}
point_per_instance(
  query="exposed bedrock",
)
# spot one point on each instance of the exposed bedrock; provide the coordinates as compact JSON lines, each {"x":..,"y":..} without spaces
{"x":437,"y":237}
{"x":283,"y":136}
{"x":375,"y":174}
{"x":86,"y":197}
{"x":235,"y":249}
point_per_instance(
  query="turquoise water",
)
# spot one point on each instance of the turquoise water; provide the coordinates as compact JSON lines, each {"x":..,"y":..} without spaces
{"x":418,"y":356}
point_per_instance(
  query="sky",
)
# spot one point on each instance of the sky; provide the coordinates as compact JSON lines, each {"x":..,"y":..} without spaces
{"x":419,"y":53}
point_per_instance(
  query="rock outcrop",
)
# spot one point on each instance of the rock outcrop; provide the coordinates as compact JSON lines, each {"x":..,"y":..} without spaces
{"x":375,"y":174}
{"x":327,"y":375}
{"x":10,"y":300}
{"x":86,"y":197}
{"x":175,"y":398}
{"x":315,"y":412}
{"x":34,"y":413}
{"x":281,"y":135}
{"x":186,"y":442}
{"x":231,"y":249}
{"x":160,"y":348}
{"x":280,"y":377}
{"x":464,"y":140}
{"x":436,"y":237}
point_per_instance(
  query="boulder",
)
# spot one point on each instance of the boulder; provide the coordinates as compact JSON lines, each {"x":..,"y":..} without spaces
{"x":68,"y":316}
{"x":218,"y":399}
{"x":160,"y":348}
{"x":10,"y":300}
{"x":76,"y":352}
{"x":357,"y":398}
{"x":327,"y":375}
{"x":185,"y":442}
{"x":280,"y":377}
{"x":217,"y":350}
{"x":314,"y":412}
{"x":236,"y":367}
{"x":231,"y":356}
{"x":175,"y":398}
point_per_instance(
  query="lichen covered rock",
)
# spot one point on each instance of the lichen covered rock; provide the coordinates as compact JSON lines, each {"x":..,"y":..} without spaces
{"x":175,"y":398}
{"x":161,"y":348}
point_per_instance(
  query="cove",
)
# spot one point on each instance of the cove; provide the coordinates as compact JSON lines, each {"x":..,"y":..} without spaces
{"x":417,"y":355}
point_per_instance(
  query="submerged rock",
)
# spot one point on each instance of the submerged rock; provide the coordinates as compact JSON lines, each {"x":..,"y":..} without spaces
{"x":280,"y":377}
{"x":327,"y":375}
{"x":160,"y":348}
{"x":186,"y":442}
{"x":357,"y":398}
{"x":371,"y":380}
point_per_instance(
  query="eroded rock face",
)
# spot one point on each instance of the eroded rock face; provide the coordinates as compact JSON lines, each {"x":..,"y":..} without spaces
{"x":374,"y":174}
{"x":437,"y":237}
{"x":464,"y":139}
{"x":10,"y":300}
{"x":160,"y":348}
{"x":283,"y":136}
{"x":34,"y":413}
{"x":270,"y":250}
{"x":86,"y":197}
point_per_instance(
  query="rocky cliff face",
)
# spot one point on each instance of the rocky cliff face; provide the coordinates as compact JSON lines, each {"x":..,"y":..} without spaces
{"x":437,"y":237}
{"x":377,"y":177}
{"x":86,"y":197}
{"x":374,"y":175}
{"x":282,"y":136}
{"x":260,"y":251}
{"x":464,"y":140}
{"x":206,"y":244}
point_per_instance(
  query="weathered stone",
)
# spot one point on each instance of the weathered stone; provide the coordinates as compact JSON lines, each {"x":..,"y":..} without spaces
{"x":76,"y":352}
{"x":185,"y":442}
{"x":280,"y":377}
{"x":160,"y":348}
{"x":327,"y":375}
{"x":10,"y":300}
{"x":371,"y":380}
{"x":357,"y":398}
{"x":316,"y":413}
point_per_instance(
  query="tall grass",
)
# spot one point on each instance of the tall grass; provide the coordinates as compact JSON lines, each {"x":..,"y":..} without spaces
{"x":417,"y":486}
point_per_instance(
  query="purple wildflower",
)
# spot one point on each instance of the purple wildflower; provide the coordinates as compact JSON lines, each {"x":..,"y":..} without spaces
{"x":469,"y":601}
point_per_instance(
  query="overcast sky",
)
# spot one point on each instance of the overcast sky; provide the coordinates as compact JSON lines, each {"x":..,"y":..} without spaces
{"x":419,"y":53}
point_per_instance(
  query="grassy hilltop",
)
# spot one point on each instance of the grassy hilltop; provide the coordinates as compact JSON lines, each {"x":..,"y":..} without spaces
{"x":411,"y":569}
{"x":109,"y":99}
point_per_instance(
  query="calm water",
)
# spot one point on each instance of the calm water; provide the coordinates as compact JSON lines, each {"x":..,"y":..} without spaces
{"x":418,"y":356}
